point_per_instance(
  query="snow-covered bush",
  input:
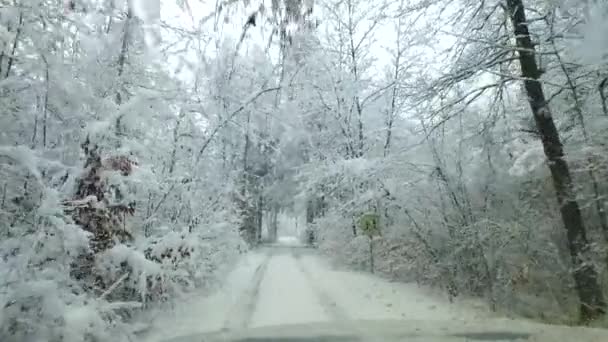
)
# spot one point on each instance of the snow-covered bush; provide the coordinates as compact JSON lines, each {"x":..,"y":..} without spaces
{"x":41,"y":300}
{"x":183,"y":256}
{"x":56,"y":285}
{"x":512,"y":256}
{"x":128,"y":275}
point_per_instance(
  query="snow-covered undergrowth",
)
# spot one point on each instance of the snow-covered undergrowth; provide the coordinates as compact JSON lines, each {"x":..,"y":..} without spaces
{"x":512,"y":257}
{"x":206,"y":311}
{"x":39,"y":298}
{"x":491,"y":261}
{"x":75,"y":266}
{"x":43,"y":301}
{"x":109,"y":204}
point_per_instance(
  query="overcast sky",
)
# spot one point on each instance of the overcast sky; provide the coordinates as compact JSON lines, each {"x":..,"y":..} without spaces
{"x":189,"y":15}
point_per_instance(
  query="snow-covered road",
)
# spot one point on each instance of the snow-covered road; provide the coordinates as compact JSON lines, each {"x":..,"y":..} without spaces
{"x":290,"y":285}
{"x":300,"y":287}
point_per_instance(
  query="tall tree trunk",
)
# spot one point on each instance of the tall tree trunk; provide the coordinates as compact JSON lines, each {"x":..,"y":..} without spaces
{"x":110,"y":17}
{"x":122,"y":60}
{"x":11,"y":57}
{"x":601,"y":89}
{"x":259,"y":217}
{"x":274,"y":226}
{"x":371,"y":254}
{"x":35,"y":130}
{"x":173,"y":159}
{"x":585,"y":276}
{"x":3,"y":200}
{"x":247,"y":143}
{"x":248,"y":192}
{"x":124,"y":50}
{"x":360,"y":127}
{"x":390,"y":118}
{"x":389,"y":130}
{"x":355,"y":72}
{"x":45,"y":104}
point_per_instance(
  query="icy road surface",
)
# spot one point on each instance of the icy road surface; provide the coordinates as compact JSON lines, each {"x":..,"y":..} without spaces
{"x":290,"y":285}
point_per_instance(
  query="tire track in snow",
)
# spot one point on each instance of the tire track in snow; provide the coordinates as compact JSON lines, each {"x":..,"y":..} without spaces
{"x":242,"y":310}
{"x":286,"y":296}
{"x":329,"y":305}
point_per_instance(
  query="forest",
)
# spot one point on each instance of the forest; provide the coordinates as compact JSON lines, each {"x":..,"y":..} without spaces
{"x":146,"y":145}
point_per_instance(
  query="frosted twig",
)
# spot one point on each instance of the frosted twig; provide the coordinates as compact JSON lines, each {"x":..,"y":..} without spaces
{"x":122,"y":305}
{"x":90,"y":201}
{"x":115,"y":285}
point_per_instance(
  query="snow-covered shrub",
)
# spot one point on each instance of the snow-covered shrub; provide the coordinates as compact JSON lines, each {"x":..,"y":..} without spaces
{"x":463,"y":238}
{"x":163,"y":267}
{"x":128,"y":275}
{"x":178,"y":254}
{"x":49,"y":310}
{"x":404,"y":259}
{"x":41,"y":300}
{"x":193,"y":257}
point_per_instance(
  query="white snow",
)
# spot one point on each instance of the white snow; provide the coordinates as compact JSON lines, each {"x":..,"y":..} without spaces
{"x":593,"y":48}
{"x":288,"y":240}
{"x":22,"y":156}
{"x":362,"y":296}
{"x":147,"y":10}
{"x":79,"y":320}
{"x":282,"y":285}
{"x":286,"y":288}
{"x":528,"y":160}
{"x":286,"y":296}
{"x":198,"y":313}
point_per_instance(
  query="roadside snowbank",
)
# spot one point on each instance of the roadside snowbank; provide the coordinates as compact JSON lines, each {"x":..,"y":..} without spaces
{"x":198,"y":312}
{"x":367,"y":297}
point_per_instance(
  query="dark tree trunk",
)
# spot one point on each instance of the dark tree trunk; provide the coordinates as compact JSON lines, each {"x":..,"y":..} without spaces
{"x":122,"y":57}
{"x":310,"y":218}
{"x":259,"y":218}
{"x":585,"y":275}
{"x":371,"y":254}
{"x":273,"y":223}
{"x":11,"y":57}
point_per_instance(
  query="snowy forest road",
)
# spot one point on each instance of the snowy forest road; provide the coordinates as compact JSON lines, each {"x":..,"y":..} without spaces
{"x":299,"y":286}
{"x":281,"y":285}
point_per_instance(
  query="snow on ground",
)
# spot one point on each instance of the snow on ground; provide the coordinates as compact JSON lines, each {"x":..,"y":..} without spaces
{"x":282,"y":285}
{"x":199,"y":313}
{"x":286,"y":296}
{"x":362,"y":296}
{"x":289,"y":241}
